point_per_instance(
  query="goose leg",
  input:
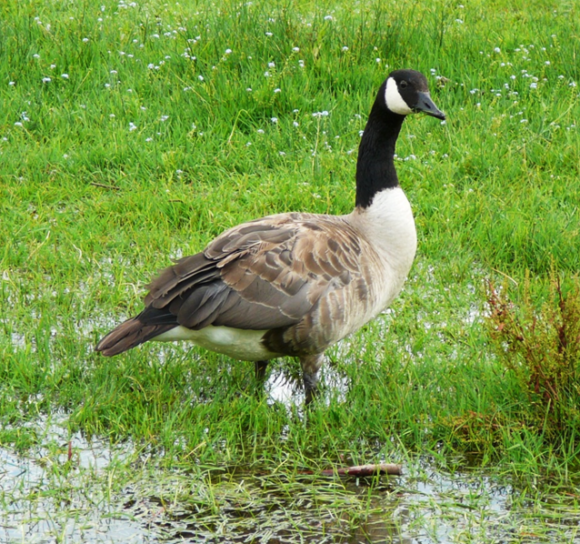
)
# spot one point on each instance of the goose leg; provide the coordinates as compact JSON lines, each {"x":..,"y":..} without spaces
{"x":260,"y":367}
{"x":310,"y":366}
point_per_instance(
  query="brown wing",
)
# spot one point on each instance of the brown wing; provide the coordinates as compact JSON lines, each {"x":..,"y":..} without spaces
{"x":265,"y":274}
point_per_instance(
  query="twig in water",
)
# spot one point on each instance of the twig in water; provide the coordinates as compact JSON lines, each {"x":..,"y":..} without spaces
{"x":365,"y":470}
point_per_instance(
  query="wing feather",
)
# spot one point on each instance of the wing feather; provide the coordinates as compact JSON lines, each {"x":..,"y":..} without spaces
{"x":266,"y":274}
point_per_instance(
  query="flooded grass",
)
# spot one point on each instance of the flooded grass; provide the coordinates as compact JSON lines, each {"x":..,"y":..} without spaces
{"x":135,"y":132}
{"x":121,"y":494}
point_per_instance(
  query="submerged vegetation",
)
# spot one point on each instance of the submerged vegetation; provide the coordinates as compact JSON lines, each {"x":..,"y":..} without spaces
{"x":134,"y":132}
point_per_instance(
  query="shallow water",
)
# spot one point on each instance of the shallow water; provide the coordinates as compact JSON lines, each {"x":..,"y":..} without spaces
{"x":44,"y":502}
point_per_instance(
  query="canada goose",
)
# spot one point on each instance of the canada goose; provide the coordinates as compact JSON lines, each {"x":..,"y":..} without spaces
{"x":293,"y":284}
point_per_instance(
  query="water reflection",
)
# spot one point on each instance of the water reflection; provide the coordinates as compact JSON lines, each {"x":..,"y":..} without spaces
{"x":44,"y":502}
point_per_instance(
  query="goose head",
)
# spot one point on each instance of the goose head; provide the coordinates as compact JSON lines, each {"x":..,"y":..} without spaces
{"x":406,"y":92}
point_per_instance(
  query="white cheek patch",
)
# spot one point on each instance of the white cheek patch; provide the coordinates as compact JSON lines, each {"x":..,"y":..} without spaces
{"x":394,"y":100}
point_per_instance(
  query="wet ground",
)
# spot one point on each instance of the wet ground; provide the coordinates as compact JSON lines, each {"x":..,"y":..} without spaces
{"x":67,"y":491}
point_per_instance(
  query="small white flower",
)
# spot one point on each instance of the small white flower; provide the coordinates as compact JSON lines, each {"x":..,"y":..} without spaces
{"x":281,"y":153}
{"x":164,"y":118}
{"x":18,"y":124}
{"x":46,"y":80}
{"x":228,"y":51}
{"x":377,"y":60}
{"x":277,"y":90}
{"x":249,"y":89}
{"x":85,"y":40}
{"x":112,"y":116}
{"x":64,"y":76}
{"x":271,"y":65}
{"x":523,"y":120}
{"x":269,"y":34}
{"x":12,"y":83}
{"x":132,"y":127}
{"x":52,"y":66}
{"x":266,"y":74}
{"x":533,"y":85}
{"x":295,"y":49}
{"x":148,"y":139}
{"x":328,"y":17}
{"x":547,"y":63}
{"x":344,"y":48}
{"x":113,"y":72}
{"x":295,"y":123}
{"x":274,"y":120}
{"x":200,"y":77}
{"x":260,"y":131}
{"x":107,"y":85}
{"x":497,"y":50}
{"x":36,"y":56}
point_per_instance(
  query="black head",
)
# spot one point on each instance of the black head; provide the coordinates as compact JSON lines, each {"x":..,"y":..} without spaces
{"x":406,"y":91}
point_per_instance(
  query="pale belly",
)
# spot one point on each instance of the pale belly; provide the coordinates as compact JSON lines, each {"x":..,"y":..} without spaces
{"x":245,"y":345}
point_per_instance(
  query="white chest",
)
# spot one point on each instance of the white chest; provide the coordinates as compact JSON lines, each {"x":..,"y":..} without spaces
{"x":388,"y":225}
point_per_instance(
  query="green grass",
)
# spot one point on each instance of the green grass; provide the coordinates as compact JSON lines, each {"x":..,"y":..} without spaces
{"x":146,"y":143}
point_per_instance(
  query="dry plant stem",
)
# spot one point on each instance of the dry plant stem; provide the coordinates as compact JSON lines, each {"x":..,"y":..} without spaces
{"x":366,"y":470}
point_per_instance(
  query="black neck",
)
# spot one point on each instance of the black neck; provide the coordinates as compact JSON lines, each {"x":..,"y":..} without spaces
{"x":375,"y":169}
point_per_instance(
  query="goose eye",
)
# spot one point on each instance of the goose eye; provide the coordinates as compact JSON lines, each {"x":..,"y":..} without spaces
{"x":403,"y":84}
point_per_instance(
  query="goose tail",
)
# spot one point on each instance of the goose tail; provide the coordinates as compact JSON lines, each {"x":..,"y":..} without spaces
{"x":129,"y":334}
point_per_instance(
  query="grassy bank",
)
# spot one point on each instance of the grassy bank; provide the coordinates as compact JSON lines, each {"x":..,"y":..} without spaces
{"x":132,"y":133}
